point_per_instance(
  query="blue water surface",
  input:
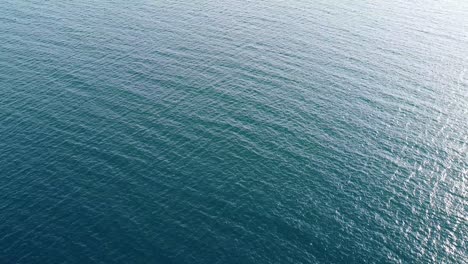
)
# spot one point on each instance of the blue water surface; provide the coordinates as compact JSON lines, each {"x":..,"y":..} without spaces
{"x":203,"y":131}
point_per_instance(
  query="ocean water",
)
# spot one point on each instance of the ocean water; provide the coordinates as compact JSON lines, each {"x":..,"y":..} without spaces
{"x":202,"y":131}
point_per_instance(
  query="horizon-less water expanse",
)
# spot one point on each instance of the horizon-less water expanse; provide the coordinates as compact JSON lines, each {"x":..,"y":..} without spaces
{"x":202,"y":131}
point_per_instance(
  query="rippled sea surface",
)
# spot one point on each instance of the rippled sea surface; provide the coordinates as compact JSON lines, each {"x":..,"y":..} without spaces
{"x":204,"y":131}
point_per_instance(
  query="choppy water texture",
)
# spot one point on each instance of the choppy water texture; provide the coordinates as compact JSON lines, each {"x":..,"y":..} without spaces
{"x":233,"y":131}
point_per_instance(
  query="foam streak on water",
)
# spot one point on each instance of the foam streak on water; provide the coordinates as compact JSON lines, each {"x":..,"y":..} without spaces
{"x":233,"y":132}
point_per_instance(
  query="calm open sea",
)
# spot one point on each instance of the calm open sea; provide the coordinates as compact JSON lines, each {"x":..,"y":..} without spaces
{"x":203,"y":131}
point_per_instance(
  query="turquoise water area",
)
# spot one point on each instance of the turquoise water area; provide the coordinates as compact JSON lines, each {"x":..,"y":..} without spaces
{"x":155,"y":131}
